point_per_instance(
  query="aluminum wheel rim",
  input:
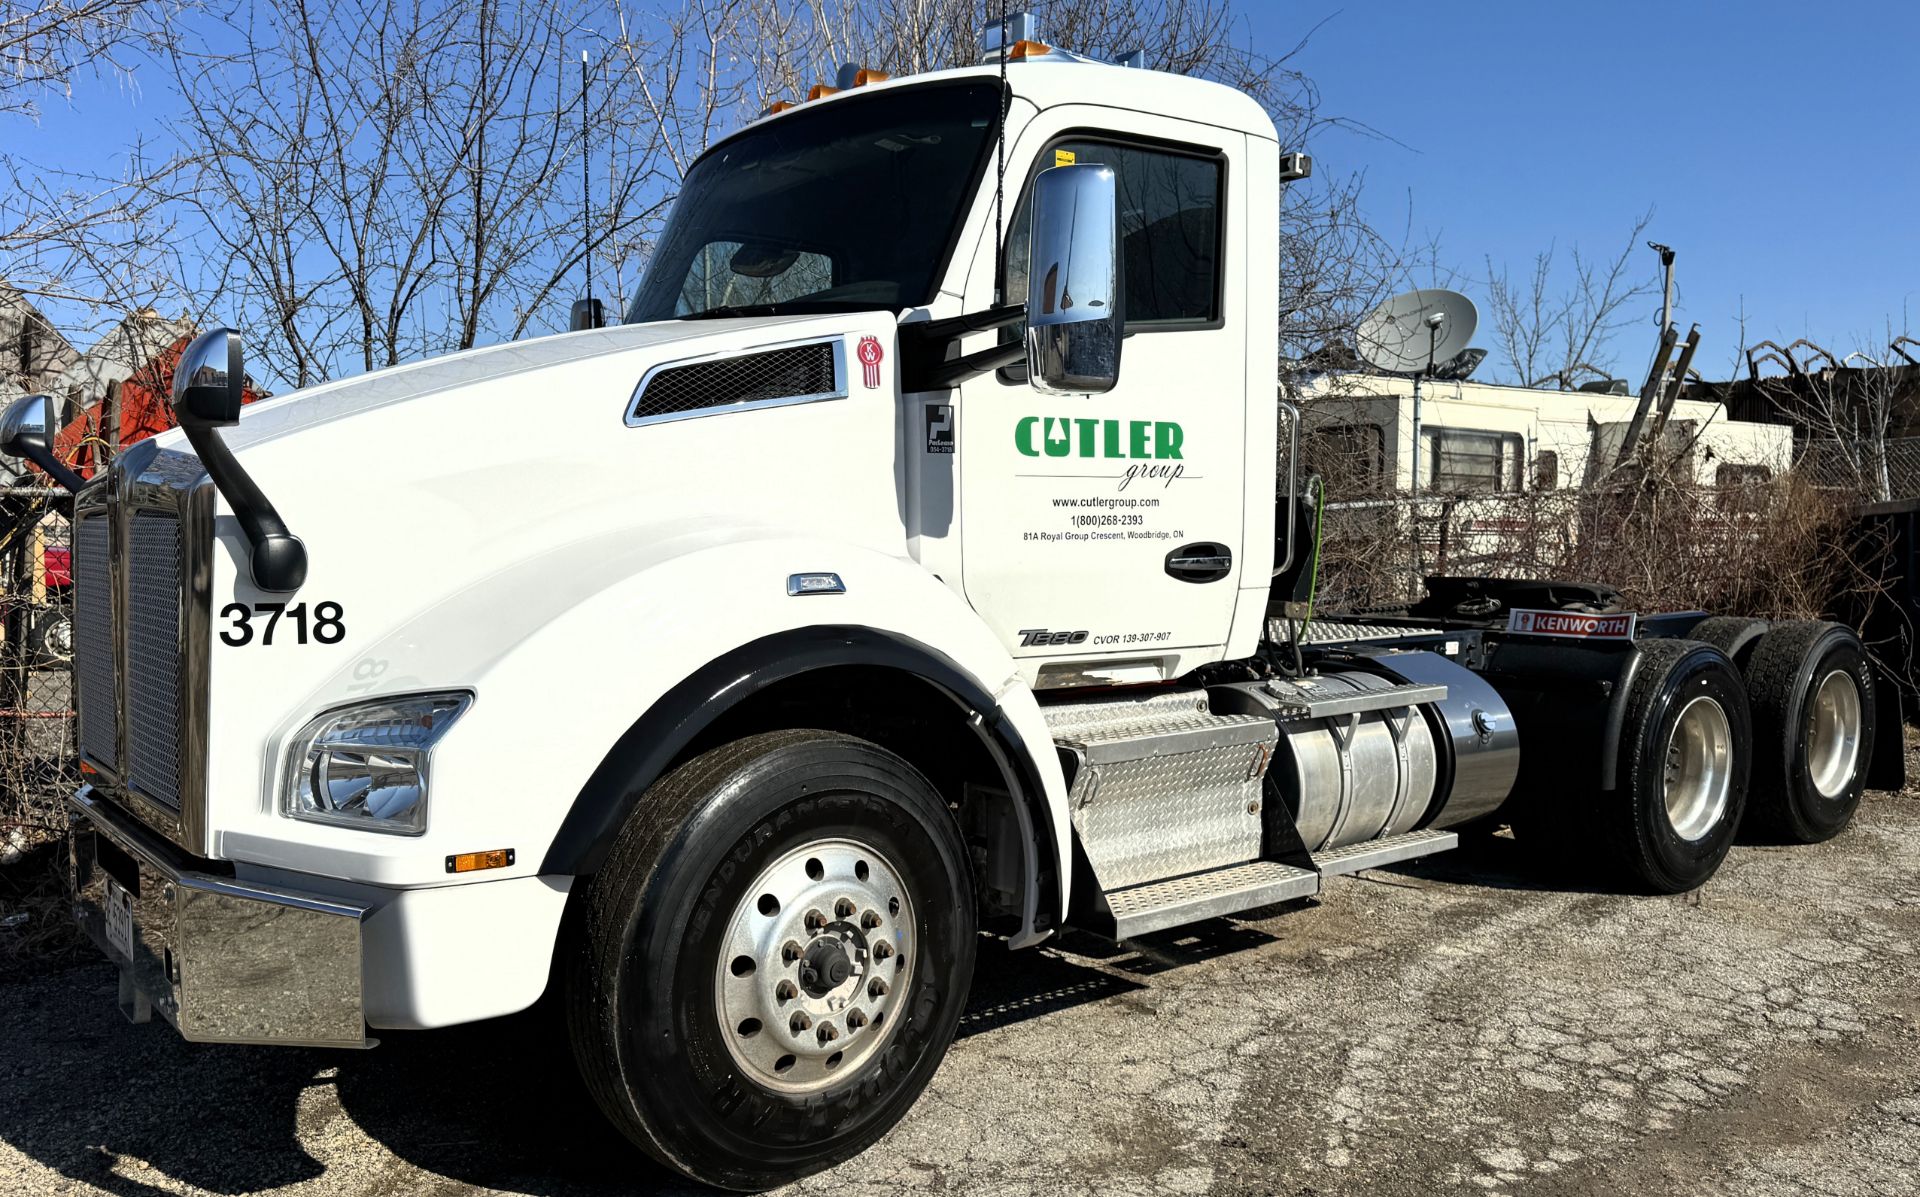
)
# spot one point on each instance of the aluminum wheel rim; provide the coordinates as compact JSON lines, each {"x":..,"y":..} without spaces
{"x":1699,"y":773}
{"x":817,"y":957}
{"x":1833,"y":733}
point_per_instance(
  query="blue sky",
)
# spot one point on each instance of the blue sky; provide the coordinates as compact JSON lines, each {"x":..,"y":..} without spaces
{"x":1778,"y":144}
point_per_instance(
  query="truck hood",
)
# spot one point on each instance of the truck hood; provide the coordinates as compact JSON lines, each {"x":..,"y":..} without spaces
{"x":334,"y":401}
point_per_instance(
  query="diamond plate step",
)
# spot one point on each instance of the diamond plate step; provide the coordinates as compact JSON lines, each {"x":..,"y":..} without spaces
{"x":1302,"y":700}
{"x":1129,"y":729}
{"x":1332,"y":631}
{"x":1162,"y":786}
{"x":1162,"y":904}
{"x":1371,"y":854}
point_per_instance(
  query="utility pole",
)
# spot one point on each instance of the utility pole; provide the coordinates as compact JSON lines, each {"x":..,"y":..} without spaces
{"x":1666,"y":268}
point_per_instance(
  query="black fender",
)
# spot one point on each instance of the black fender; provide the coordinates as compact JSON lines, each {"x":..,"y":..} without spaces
{"x":657,"y":739}
{"x":1887,"y":768}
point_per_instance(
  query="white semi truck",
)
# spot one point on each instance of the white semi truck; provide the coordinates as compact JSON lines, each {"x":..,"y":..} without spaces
{"x":890,"y":614}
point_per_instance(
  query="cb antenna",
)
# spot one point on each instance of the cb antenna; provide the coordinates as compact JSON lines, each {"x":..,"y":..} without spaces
{"x":587,"y":312}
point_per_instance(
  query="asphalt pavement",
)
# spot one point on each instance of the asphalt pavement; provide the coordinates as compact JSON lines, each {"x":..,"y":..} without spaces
{"x":1463,"y":1025}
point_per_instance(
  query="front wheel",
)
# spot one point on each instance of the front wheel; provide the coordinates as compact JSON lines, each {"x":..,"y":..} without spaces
{"x":773,"y":959}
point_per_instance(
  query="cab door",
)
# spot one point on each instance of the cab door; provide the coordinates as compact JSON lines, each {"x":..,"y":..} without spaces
{"x":1110,"y":527}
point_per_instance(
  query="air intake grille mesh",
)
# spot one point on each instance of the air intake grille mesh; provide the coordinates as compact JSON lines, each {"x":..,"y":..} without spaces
{"x":93,"y":663}
{"x":153,"y":657}
{"x":795,"y":372}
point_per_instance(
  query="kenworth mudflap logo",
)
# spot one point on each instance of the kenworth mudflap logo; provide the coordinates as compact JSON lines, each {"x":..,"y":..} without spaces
{"x":1152,"y":447}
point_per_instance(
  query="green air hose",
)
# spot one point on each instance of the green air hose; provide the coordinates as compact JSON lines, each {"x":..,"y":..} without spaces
{"x":1313,"y":569}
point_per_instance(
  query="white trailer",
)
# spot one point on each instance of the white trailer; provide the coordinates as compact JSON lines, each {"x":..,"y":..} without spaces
{"x":1486,"y":438}
{"x":839,"y":630}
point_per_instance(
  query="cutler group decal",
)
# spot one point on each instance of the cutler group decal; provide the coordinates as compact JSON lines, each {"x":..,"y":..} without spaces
{"x":1136,"y":459}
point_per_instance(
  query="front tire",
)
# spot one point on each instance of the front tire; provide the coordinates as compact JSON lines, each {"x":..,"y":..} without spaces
{"x":771,"y":964}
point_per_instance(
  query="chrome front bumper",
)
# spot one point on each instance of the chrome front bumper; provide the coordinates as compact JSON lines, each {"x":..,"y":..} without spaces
{"x":224,"y":961}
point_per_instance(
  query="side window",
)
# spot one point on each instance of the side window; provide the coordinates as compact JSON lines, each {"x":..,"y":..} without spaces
{"x":1546,"y":470}
{"x":739,"y":273}
{"x":1170,"y":230}
{"x":1459,"y":461}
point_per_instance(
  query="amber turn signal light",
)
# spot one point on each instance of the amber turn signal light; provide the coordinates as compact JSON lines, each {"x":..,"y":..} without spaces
{"x":471,"y":862}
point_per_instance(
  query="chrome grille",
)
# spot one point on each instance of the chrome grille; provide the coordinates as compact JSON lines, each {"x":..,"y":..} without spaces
{"x":771,"y":375}
{"x":93,"y":640}
{"x":153,"y":656}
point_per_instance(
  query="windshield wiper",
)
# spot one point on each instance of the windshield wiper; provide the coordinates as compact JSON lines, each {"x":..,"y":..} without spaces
{"x":728,"y":310}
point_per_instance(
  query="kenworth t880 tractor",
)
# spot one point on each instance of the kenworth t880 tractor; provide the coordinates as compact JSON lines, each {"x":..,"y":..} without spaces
{"x":922,"y":531}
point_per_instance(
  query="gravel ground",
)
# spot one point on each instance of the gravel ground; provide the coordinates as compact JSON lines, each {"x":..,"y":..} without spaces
{"x":1464,"y":1025}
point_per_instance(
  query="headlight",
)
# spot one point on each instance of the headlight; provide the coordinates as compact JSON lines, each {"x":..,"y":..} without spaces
{"x":366,"y":766}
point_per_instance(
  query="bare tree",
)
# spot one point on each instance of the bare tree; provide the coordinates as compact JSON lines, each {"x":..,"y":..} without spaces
{"x":385,"y":180}
{"x":90,"y":244}
{"x":1559,"y":335}
{"x":45,"y":43}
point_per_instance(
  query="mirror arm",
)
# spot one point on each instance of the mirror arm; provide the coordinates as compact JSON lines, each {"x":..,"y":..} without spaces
{"x":55,"y":468}
{"x":958,"y":326}
{"x":924,"y":346}
{"x":953,"y":373}
{"x":279,"y":559}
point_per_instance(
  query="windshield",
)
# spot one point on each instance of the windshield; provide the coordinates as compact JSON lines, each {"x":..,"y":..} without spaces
{"x":854,"y":205}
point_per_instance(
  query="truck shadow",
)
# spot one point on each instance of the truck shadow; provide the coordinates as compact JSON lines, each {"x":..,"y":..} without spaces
{"x":136,"y":1112}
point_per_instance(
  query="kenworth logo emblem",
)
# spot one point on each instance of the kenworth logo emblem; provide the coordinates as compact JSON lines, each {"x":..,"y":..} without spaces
{"x":870,"y":353}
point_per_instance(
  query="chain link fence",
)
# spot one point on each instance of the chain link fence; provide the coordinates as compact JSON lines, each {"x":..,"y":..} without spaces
{"x":39,"y":764}
{"x":1887,"y":468}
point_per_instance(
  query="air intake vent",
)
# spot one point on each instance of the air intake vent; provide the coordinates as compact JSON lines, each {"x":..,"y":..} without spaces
{"x":792,"y":374}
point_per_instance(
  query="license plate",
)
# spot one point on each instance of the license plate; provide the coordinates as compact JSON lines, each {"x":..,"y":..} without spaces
{"x":119,"y":919}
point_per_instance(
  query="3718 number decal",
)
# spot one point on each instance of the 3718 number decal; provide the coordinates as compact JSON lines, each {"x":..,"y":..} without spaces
{"x":246,"y":624}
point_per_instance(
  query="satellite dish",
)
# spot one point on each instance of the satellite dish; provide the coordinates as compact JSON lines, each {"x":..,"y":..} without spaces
{"x":1412,"y":332}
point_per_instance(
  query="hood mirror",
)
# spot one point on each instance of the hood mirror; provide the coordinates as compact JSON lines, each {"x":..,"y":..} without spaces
{"x":27,"y":429}
{"x":209,"y":386}
{"x":1074,"y":304}
{"x":209,"y":382}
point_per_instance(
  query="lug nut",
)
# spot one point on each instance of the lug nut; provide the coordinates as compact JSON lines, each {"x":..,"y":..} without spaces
{"x":882,"y":950}
{"x":855,"y":1020}
{"x":843,"y":908}
{"x":828,"y":1033}
{"x":786,"y":991}
{"x":800,"y":1021}
{"x":816,"y":922}
{"x":876,"y":988}
{"x":870,"y":920}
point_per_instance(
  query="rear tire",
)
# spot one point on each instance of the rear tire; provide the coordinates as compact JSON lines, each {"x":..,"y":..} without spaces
{"x":1812,"y":690}
{"x":1734,"y":635}
{"x":1682,"y":771}
{"x":770,"y":966}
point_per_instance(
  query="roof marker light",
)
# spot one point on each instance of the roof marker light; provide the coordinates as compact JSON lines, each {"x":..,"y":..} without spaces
{"x":1027,"y":48}
{"x":866,"y":75}
{"x":778,"y":107}
{"x":821,"y":91}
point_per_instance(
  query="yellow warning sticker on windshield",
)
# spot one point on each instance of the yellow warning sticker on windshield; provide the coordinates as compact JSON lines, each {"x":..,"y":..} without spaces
{"x":1063,"y":157}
